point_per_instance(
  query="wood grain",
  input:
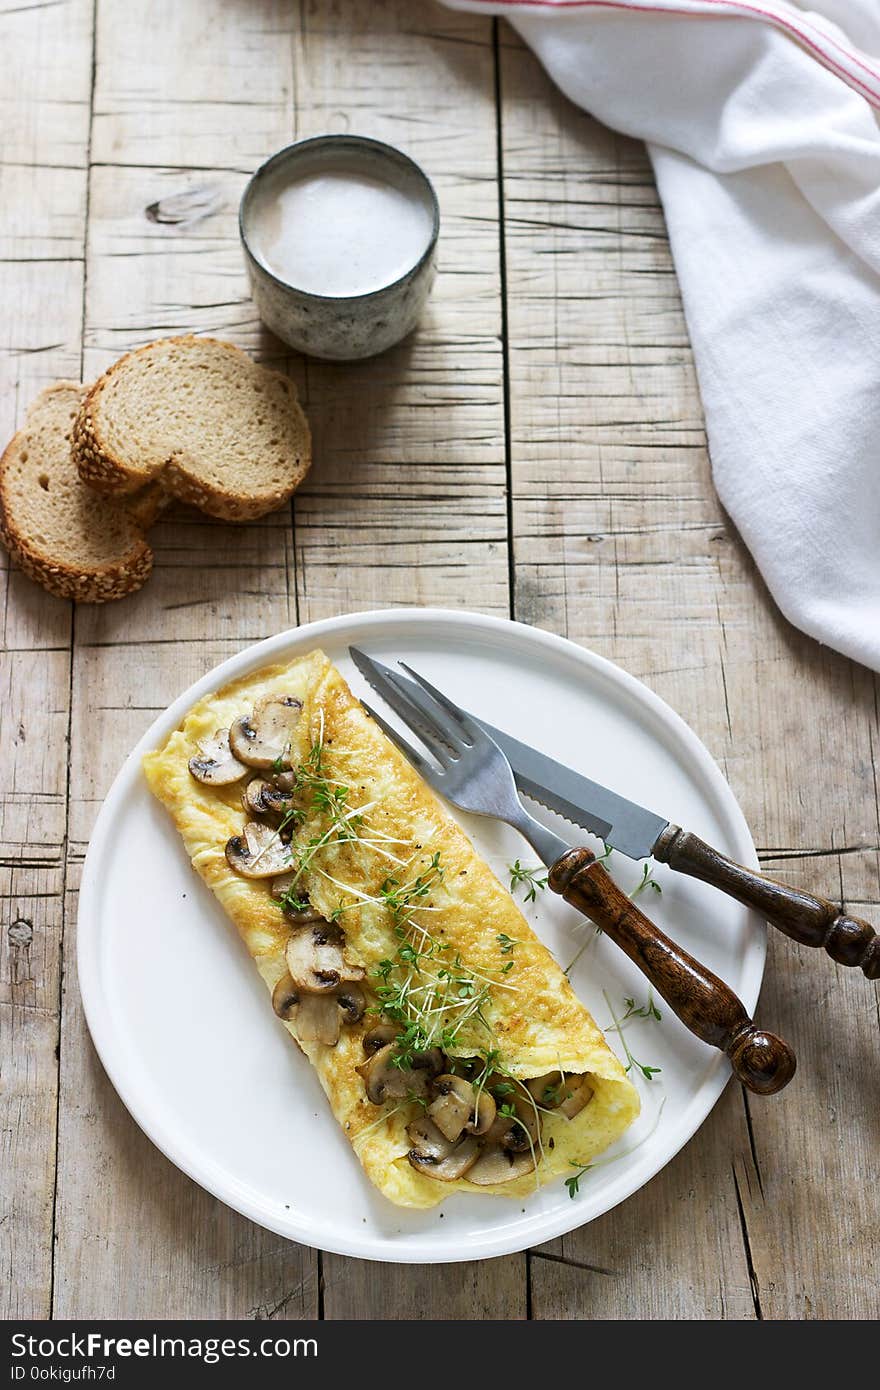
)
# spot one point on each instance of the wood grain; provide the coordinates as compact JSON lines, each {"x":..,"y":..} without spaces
{"x":708,"y":1007}
{"x":43,"y":155}
{"x":555,"y":359}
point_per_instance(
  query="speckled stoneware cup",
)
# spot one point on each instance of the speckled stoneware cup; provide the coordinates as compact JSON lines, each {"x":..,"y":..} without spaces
{"x":332,"y":326}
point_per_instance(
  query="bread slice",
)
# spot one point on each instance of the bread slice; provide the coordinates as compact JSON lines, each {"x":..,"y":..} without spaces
{"x":76,"y":544}
{"x":222,"y":433}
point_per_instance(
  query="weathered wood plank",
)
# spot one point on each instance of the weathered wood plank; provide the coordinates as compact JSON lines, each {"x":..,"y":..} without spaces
{"x":492,"y":1290}
{"x":620,"y":543}
{"x":808,"y":1189}
{"x":30,"y":960}
{"x":45,"y":99}
{"x":44,"y":105}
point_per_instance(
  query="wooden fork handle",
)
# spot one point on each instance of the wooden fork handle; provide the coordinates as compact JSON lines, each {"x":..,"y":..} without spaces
{"x":705,"y":1004}
{"x":810,"y":920}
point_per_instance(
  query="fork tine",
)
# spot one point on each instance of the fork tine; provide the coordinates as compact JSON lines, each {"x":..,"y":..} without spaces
{"x":403,"y":744}
{"x":432,"y":712}
{"x":395,"y":692}
{"x":462,"y":724}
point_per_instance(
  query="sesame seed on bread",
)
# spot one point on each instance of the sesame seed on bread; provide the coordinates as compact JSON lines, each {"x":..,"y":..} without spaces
{"x":219,"y":431}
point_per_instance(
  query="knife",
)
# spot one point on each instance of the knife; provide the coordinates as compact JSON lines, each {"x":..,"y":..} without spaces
{"x":640,"y":834}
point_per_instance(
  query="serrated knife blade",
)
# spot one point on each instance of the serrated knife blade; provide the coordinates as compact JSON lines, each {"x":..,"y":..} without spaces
{"x":620,"y":823}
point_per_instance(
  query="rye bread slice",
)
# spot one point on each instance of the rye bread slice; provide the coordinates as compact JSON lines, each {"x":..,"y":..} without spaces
{"x":76,"y":544}
{"x":219,"y":431}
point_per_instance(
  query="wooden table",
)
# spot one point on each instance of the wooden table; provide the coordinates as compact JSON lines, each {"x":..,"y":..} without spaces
{"x":536,"y":450}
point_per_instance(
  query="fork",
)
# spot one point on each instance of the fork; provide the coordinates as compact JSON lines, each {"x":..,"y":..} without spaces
{"x":469,"y":769}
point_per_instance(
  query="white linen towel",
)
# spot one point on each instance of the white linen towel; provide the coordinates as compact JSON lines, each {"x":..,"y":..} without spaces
{"x":761,"y":122}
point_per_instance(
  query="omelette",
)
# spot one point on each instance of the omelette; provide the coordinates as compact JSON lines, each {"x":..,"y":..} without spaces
{"x":451,"y":1047}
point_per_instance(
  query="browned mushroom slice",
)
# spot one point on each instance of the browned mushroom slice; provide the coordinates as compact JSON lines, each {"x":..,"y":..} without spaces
{"x":439,"y":1157}
{"x":215,"y":764}
{"x":352,"y":1001}
{"x":497,"y":1165}
{"x":453,"y":1105}
{"x":285,"y":998}
{"x":518,"y":1133}
{"x":458,"y":1107}
{"x":262,"y":739}
{"x":261,"y":798}
{"x":317,"y":961}
{"x":385,"y":1081}
{"x":258,"y":852}
{"x":565,"y":1092}
{"x":380,"y":1036}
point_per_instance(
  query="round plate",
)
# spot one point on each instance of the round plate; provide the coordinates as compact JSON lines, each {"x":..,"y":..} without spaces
{"x":181,"y":1020}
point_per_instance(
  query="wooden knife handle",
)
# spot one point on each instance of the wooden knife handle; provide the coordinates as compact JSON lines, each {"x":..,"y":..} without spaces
{"x":810,"y":920}
{"x":705,"y":1004}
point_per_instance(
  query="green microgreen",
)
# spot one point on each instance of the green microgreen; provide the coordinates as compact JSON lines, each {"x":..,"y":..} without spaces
{"x":647,"y":1010}
{"x":648,"y":881}
{"x":617,"y":1027}
{"x":422,"y":985}
{"x":289,"y":901}
{"x":531,"y":880}
{"x":574,"y":1182}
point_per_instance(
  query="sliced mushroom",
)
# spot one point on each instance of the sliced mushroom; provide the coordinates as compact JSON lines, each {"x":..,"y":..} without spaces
{"x":285,"y":997}
{"x":352,"y":1001}
{"x":484,"y":1118}
{"x":497,"y":1165}
{"x":380,"y":1036}
{"x":262,"y":739}
{"x":317,"y":961}
{"x":258,"y":852}
{"x":262,"y":798}
{"x":317,"y":1018}
{"x":518,"y":1133}
{"x":385,"y":1081}
{"x":439,"y":1157}
{"x":457,"y":1107}
{"x":215,"y":763}
{"x":565,"y":1092}
{"x":453,"y":1105}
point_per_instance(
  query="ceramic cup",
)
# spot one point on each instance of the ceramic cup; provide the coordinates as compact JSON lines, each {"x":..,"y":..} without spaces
{"x":361,"y":288}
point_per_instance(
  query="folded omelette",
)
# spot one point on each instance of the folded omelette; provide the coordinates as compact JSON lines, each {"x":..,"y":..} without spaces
{"x":451,"y":1046}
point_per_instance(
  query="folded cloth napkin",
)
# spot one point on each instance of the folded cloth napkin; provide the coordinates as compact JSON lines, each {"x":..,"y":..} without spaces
{"x":761,"y":122}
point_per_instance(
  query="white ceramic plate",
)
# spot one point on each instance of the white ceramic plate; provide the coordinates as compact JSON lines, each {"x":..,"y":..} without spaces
{"x":181,"y":1020}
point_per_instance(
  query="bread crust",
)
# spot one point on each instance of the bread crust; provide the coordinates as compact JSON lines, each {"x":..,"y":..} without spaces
{"x":83,"y":584}
{"x":105,"y":472}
